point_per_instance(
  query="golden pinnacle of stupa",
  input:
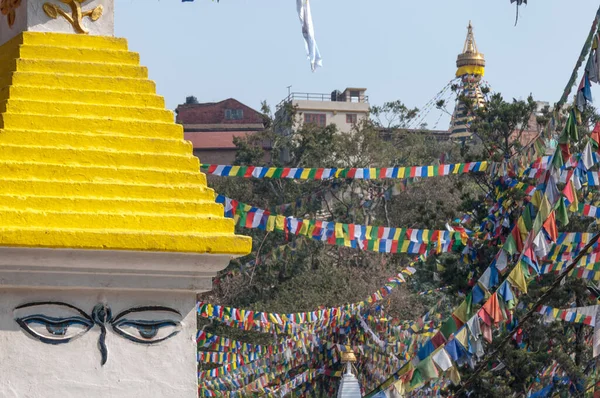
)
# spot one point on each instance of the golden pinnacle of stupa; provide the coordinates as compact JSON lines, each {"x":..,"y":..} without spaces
{"x":470,"y":61}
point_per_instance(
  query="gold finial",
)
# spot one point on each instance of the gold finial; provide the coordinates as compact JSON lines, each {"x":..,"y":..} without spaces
{"x":471,"y":58}
{"x":348,"y":355}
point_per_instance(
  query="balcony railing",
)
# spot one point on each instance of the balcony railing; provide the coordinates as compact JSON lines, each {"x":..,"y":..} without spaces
{"x":332,"y":97}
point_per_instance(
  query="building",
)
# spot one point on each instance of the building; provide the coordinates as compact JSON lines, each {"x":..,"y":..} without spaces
{"x":344,"y":109}
{"x":471,"y":68}
{"x":108,"y":230}
{"x":211,"y":128}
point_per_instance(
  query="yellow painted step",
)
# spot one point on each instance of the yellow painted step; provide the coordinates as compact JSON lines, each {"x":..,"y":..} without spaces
{"x":104,"y":189}
{"x":118,"y":205}
{"x":84,"y":96}
{"x":21,"y":121}
{"x":66,"y":39}
{"x":115,"y":221}
{"x":63,"y":53}
{"x":126,"y":240}
{"x":74,"y":67}
{"x":96,"y":141}
{"x":95,"y":157}
{"x":88,"y":110}
{"x":78,"y":173}
{"x":60,"y":80}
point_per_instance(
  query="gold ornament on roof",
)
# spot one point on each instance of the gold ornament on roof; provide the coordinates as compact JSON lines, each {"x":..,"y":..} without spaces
{"x":470,"y":61}
{"x":348,"y":355}
{"x":77,"y":14}
{"x":8,"y":7}
{"x":470,"y":56}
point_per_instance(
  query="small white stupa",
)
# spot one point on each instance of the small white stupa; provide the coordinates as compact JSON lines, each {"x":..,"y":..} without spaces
{"x":349,"y":386}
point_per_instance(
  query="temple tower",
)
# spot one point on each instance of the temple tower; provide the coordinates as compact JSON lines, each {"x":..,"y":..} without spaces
{"x":107,"y":227}
{"x":471,"y":68}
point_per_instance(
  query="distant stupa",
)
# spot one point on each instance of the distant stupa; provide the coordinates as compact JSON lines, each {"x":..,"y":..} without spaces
{"x":471,"y":68}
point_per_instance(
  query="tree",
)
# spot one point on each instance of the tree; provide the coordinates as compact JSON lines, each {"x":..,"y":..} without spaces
{"x":191,"y":100}
{"x":297,"y":274}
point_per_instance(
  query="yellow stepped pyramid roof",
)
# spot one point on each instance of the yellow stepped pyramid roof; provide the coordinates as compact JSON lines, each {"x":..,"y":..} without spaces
{"x":91,"y":159}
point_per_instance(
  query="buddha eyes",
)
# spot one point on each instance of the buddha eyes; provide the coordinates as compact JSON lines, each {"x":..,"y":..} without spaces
{"x":58,"y":323}
{"x":55,"y":330}
{"x":146,"y":331}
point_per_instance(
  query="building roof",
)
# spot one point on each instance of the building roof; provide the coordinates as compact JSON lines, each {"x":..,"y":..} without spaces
{"x":91,"y":159}
{"x":215,"y":139}
{"x":212,"y":113}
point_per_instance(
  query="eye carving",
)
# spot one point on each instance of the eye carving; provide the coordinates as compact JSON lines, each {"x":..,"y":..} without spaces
{"x":135,"y":325}
{"x":63,"y":324}
{"x":60,"y":323}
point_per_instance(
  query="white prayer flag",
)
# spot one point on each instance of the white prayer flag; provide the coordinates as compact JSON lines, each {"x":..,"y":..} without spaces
{"x":442,"y":359}
{"x":587,"y":157}
{"x":308,"y":31}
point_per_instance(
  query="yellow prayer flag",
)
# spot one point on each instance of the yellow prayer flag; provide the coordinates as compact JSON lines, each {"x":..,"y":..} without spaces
{"x":405,"y":246}
{"x":401,"y":172}
{"x":271,"y":223}
{"x":373,"y":173}
{"x":270,"y":172}
{"x":454,"y":375}
{"x":234,"y":170}
{"x":339,"y":230}
{"x":304,"y":227}
{"x":304,"y":174}
{"x":517,"y":278}
{"x":280,"y":223}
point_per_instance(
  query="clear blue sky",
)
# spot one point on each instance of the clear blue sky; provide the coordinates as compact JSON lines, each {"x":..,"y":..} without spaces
{"x":398,"y":49}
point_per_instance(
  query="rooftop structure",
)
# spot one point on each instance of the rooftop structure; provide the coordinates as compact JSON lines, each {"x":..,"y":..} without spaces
{"x":344,"y":109}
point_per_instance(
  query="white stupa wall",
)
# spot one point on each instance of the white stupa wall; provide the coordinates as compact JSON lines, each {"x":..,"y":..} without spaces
{"x":47,"y":284}
{"x":32,"y":369}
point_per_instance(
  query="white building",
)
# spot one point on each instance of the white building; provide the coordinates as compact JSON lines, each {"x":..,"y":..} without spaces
{"x":344,"y":109}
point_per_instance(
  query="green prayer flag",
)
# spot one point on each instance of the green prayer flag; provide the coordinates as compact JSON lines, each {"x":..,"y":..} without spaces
{"x":278,"y":172}
{"x":527,"y":218}
{"x":561,"y":212}
{"x":571,"y":127}
{"x":427,"y":369}
{"x":448,"y":328}
{"x":557,"y":160}
{"x":416,"y":380}
{"x":510,"y":246}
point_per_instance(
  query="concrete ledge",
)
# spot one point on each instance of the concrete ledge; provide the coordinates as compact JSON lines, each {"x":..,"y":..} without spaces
{"x":108,"y":270}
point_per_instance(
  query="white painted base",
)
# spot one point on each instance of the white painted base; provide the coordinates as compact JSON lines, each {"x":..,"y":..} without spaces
{"x":31,"y":369}
{"x":30,"y":16}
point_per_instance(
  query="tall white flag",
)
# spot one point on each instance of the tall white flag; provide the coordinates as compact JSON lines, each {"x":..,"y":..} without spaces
{"x":308,"y":31}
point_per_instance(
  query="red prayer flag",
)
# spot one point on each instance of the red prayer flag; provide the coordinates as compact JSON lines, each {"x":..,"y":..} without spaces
{"x":550,"y":226}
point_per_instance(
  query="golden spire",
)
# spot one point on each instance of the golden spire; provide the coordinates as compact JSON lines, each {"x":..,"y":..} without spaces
{"x":471,"y":61}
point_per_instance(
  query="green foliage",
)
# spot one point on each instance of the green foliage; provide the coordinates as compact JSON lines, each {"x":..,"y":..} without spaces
{"x":191,"y":100}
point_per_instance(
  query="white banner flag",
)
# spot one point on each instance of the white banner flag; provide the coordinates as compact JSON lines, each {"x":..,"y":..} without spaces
{"x":308,"y":31}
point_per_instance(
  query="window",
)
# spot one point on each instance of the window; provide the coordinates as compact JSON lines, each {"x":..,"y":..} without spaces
{"x":317,"y":119}
{"x":234,"y":114}
{"x":351,"y":118}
